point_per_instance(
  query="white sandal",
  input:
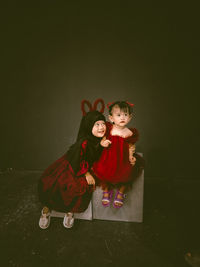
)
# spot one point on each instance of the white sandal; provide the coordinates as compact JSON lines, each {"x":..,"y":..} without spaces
{"x":68,"y":221}
{"x":44,"y":221}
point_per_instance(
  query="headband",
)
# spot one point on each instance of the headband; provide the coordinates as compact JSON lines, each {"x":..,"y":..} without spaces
{"x":94,"y":107}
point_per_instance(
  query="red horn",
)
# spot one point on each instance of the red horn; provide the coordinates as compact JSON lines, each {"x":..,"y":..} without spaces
{"x":97,"y":101}
{"x":83,"y":102}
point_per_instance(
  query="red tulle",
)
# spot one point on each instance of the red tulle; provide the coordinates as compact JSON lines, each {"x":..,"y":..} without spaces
{"x":113,"y":165}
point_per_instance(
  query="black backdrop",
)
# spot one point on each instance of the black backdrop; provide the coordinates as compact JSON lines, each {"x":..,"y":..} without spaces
{"x":54,"y":56}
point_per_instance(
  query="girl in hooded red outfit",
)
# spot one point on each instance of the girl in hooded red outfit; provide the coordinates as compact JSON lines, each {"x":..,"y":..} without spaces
{"x":67,"y":185}
{"x":118,"y":166}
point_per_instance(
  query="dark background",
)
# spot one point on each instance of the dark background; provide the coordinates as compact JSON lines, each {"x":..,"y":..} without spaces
{"x":54,"y":55}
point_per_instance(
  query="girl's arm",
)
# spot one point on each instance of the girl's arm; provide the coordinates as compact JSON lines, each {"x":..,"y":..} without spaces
{"x":132,"y":159}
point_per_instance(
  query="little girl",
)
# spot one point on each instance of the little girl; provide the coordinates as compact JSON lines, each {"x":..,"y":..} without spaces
{"x":117,"y":167}
{"x":67,"y":185}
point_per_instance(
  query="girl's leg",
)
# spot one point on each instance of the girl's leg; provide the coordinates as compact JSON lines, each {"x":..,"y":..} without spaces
{"x":122,"y":189}
{"x":119,"y":197}
{"x":107,"y":195}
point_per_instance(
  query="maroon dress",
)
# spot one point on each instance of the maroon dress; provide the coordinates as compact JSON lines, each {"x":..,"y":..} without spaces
{"x":114,"y":167}
{"x":63,"y":190}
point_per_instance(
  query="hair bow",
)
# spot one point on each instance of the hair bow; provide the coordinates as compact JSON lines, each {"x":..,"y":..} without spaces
{"x":109,"y":104}
{"x":130,"y":104}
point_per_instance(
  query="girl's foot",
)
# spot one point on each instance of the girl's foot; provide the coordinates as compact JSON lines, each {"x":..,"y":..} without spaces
{"x":119,"y":200}
{"x":107,"y":196}
{"x":68,"y":221}
{"x":45,"y":217}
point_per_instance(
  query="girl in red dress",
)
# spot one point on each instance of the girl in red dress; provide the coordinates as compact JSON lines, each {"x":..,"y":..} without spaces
{"x":118,"y":166}
{"x":67,"y":185}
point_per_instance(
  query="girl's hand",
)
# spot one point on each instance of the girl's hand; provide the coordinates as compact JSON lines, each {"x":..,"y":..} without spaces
{"x":132,"y":160}
{"x":105,"y":142}
{"x":90,"y":179}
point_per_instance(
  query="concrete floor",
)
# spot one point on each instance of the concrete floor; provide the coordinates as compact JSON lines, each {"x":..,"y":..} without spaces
{"x":170,"y":228}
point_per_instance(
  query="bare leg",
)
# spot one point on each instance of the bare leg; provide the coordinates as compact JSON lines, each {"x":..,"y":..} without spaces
{"x":105,"y":195}
{"x":120,"y":196}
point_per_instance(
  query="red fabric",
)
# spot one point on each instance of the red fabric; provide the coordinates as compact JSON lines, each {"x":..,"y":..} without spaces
{"x":63,"y":190}
{"x":114,"y":166}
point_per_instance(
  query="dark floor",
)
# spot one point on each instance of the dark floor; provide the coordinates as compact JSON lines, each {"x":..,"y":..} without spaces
{"x":170,"y":228}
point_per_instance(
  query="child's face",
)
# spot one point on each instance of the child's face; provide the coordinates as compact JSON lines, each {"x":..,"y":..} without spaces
{"x":99,"y":129}
{"x":119,"y":117}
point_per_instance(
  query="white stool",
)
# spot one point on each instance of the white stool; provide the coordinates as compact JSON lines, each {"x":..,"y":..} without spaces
{"x":132,"y":210}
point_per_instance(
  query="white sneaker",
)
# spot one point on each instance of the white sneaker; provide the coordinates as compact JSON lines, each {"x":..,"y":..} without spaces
{"x":68,"y":221}
{"x":44,"y":221}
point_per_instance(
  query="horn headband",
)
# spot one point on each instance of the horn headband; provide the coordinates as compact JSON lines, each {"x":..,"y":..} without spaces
{"x":94,"y":107}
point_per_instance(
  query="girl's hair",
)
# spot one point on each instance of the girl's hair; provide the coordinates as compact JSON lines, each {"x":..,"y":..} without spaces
{"x":123,"y":105}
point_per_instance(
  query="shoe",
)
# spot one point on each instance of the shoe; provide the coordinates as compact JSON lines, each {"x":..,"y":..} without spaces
{"x":68,"y":221}
{"x":118,"y":200}
{"x":44,"y":221}
{"x":107,"y":199}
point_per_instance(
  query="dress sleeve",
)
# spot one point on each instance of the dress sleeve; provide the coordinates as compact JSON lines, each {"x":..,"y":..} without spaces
{"x":84,"y":166}
{"x":134,"y":137}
